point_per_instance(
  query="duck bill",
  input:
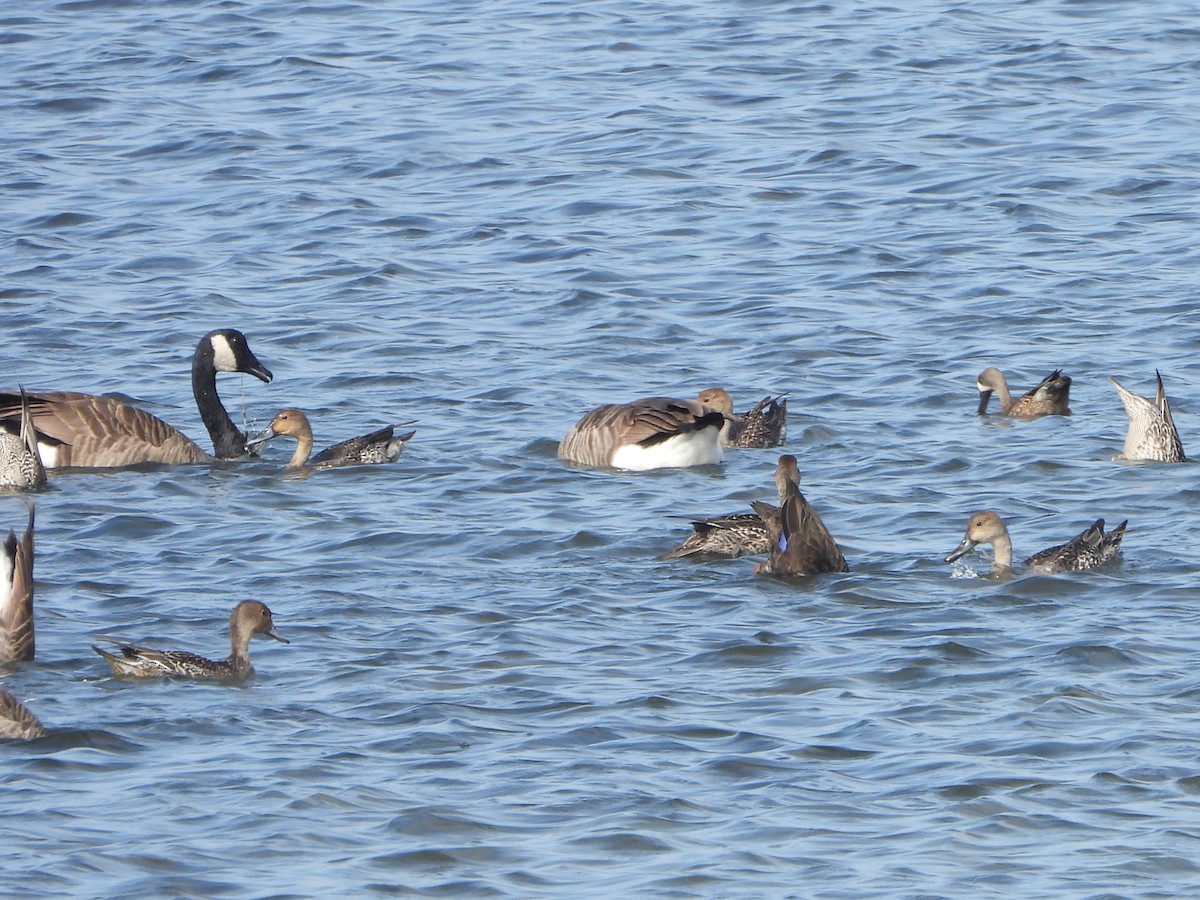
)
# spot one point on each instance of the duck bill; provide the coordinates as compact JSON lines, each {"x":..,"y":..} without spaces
{"x":963,"y":549}
{"x":984,"y":397}
{"x":279,"y":637}
{"x":262,"y":437}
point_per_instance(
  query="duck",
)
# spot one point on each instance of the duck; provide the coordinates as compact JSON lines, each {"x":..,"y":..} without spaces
{"x":250,"y":617}
{"x":651,"y":433}
{"x":1051,"y":397}
{"x":16,"y":721}
{"x":377,"y":447}
{"x":800,"y":542}
{"x":16,"y":596}
{"x":764,"y":425}
{"x":1152,"y":434}
{"x":91,"y":431}
{"x":1089,"y":549}
{"x":731,"y":535}
{"x":20,"y":460}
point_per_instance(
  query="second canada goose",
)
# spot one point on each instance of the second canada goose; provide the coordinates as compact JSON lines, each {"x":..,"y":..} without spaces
{"x":1052,"y":397}
{"x":250,"y":617}
{"x":1152,"y":434}
{"x":16,"y":596}
{"x":763,"y":425}
{"x":652,"y":433}
{"x":20,"y":460}
{"x":800,"y":542}
{"x":92,"y":431}
{"x":377,"y":447}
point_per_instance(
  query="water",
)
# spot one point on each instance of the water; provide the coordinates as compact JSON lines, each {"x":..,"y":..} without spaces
{"x":492,"y":217}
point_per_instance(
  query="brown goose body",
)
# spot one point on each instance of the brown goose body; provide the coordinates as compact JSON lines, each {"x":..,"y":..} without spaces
{"x":651,"y":433}
{"x":17,"y":722}
{"x":93,"y":431}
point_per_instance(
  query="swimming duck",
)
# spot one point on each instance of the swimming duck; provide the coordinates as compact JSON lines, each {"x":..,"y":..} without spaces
{"x":376,"y":447}
{"x":1152,"y":434}
{"x":800,"y":542}
{"x":764,"y":425}
{"x":16,"y":597}
{"x":20,"y":461}
{"x":248,"y":618}
{"x":1087,"y":550}
{"x":652,"y":433}
{"x":98,"y":432}
{"x":1050,"y":398}
{"x":17,"y":722}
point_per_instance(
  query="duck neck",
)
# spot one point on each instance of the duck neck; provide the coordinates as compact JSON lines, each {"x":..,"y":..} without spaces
{"x":304,"y":444}
{"x":239,"y":650}
{"x":1002,"y":548}
{"x":1003,"y":394}
{"x":227,"y":440}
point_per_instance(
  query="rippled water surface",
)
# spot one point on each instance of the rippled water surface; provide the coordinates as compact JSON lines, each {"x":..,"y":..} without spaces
{"x":492,"y":217}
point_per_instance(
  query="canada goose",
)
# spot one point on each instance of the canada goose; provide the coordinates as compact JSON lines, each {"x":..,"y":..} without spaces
{"x":91,"y":431}
{"x":1087,"y":550}
{"x":653,"y":433}
{"x":1152,"y":434}
{"x":20,"y":461}
{"x":247,"y":619}
{"x":376,"y":447}
{"x":16,"y":596}
{"x":1050,"y":398}
{"x":763,"y":425}
{"x":800,"y":542}
{"x":17,"y":722}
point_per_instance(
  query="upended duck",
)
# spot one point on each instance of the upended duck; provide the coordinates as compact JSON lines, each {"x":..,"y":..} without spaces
{"x":377,"y":447}
{"x":1051,"y":397}
{"x":250,"y":617}
{"x":763,"y":425}
{"x":16,"y":596}
{"x":1152,"y":434}
{"x":1089,"y":549}
{"x":91,"y":431}
{"x":651,"y":433}
{"x":800,"y":544}
{"x":16,"y":721}
{"x":20,"y":460}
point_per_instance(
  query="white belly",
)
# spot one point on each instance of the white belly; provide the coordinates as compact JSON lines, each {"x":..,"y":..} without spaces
{"x":696,"y":448}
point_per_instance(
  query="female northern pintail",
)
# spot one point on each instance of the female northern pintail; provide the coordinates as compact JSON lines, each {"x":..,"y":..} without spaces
{"x":247,"y":619}
{"x":20,"y":462}
{"x":732,"y":535}
{"x":377,"y":447}
{"x":652,"y":433}
{"x":17,"y":722}
{"x":1050,"y":398}
{"x":1087,"y":550}
{"x":1152,"y":434}
{"x":800,"y":544}
{"x":16,"y":599}
{"x":765,"y":425}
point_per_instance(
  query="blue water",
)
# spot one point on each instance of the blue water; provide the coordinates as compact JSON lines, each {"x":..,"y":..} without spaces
{"x":493,"y":217}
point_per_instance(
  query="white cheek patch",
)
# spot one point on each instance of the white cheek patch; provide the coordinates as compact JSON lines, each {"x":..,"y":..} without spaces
{"x":981,"y":387}
{"x":224,"y":358}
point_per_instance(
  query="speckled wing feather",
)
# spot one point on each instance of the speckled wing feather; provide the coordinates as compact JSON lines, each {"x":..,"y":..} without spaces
{"x":16,"y":604}
{"x":103,"y":432}
{"x":1087,"y":550}
{"x":1151,"y":434}
{"x":764,"y":425}
{"x":733,"y":535}
{"x":142,"y":662}
{"x":377,"y":447}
